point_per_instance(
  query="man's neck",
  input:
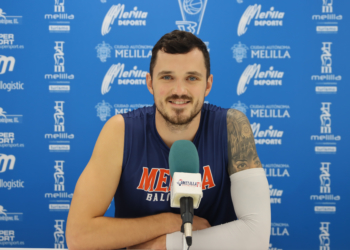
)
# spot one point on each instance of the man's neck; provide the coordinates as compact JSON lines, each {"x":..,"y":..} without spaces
{"x":171,"y":133}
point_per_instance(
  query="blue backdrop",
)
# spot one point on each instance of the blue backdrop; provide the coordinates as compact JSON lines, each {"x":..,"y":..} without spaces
{"x":68,"y":66}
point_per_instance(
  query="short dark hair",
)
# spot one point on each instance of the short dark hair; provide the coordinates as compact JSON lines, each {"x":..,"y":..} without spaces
{"x":179,"y":42}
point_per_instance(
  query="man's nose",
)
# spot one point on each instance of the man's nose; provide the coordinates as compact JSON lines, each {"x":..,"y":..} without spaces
{"x":180,"y":88}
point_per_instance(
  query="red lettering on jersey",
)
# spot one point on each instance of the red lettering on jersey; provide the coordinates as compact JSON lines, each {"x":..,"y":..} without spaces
{"x":147,"y":181}
{"x":162,"y":179}
{"x":208,"y":181}
{"x":169,"y":188}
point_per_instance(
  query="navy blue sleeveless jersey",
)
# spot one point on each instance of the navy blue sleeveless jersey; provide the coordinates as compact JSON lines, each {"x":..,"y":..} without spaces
{"x":144,"y":183}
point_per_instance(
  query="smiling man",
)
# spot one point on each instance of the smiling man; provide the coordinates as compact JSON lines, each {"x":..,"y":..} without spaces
{"x":130,"y":163}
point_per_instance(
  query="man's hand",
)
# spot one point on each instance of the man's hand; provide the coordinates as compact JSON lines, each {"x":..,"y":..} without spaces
{"x":158,"y":243}
{"x":199,"y":223}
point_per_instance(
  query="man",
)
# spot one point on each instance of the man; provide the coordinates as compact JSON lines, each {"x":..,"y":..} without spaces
{"x":130,"y":162}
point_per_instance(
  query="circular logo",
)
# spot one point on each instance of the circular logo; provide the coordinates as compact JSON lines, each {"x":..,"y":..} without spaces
{"x":193,"y":6}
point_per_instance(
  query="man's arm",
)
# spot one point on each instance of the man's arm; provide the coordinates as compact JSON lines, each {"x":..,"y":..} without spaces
{"x":87,"y":228}
{"x":249,"y":193}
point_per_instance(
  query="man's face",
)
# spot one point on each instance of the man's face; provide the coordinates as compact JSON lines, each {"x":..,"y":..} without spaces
{"x":179,"y":85}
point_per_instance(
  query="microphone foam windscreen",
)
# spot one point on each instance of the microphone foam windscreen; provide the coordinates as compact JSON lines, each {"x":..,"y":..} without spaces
{"x":183,"y":157}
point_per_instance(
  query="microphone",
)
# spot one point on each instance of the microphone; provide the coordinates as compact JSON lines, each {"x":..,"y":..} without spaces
{"x":186,"y":187}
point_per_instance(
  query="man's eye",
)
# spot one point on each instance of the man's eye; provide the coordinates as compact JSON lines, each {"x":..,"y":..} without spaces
{"x":167,"y":77}
{"x":192,"y":78}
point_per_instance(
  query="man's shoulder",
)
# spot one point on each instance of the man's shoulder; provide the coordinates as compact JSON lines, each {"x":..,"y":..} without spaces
{"x":139,"y":112}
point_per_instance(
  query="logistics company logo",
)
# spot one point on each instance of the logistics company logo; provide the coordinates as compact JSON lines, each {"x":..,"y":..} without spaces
{"x":59,"y":22}
{"x":124,"y":108}
{"x":269,"y":111}
{"x":275,"y":195}
{"x":60,"y":140}
{"x":270,"y":77}
{"x":270,"y":51}
{"x":60,"y":75}
{"x":103,"y":51}
{"x":279,"y":229}
{"x":8,"y":216}
{"x":276,"y":170}
{"x":326,"y":138}
{"x":325,"y":202}
{"x":240,"y":106}
{"x":268,"y":18}
{"x":59,"y":234}
{"x":132,"y":18}
{"x":5,"y":19}
{"x":327,"y":23}
{"x":158,"y":183}
{"x":269,"y":136}
{"x":7,"y":162}
{"x":6,"y":42}
{"x":327,"y":77}
{"x":7,"y":237}
{"x":192,"y":12}
{"x":4,"y":61}
{"x":7,"y":140}
{"x":132,"y":77}
{"x":11,"y":86}
{"x":103,"y":110}
{"x":239,"y":51}
{"x":324,"y":236}
{"x":60,"y":198}
{"x":4,"y":118}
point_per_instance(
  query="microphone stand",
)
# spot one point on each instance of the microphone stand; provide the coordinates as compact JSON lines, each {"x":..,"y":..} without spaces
{"x":186,"y":211}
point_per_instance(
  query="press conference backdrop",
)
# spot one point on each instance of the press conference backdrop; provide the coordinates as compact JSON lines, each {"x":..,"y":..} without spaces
{"x":66,"y":67}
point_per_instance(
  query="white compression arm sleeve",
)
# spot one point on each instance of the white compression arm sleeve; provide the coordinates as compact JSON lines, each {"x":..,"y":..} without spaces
{"x":251,"y":199}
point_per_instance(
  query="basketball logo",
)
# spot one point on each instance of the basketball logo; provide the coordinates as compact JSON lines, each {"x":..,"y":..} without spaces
{"x":192,"y":7}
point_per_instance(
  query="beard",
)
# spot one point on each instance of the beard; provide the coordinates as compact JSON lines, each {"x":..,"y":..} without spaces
{"x":179,"y":119}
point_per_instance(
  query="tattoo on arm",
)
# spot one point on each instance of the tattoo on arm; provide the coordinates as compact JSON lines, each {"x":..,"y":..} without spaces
{"x":240,"y":142}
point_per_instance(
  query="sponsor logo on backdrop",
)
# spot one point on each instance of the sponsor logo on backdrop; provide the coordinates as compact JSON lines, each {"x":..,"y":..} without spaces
{"x":269,"y":111}
{"x":6,"y":61}
{"x":103,"y":51}
{"x":9,"y":86}
{"x":273,"y":248}
{"x":6,"y":118}
{"x":326,"y":141}
{"x":328,"y":77}
{"x":59,"y":21}
{"x":9,"y":216}
{"x":279,"y":229}
{"x":325,"y":201}
{"x":324,"y":236}
{"x":60,"y":76}
{"x":59,"y":234}
{"x":103,"y":110}
{"x":192,"y":12}
{"x":327,"y":22}
{"x":271,"y":17}
{"x":133,"y":51}
{"x":270,"y":77}
{"x":7,"y":162}
{"x":8,"y":238}
{"x":7,"y":19}
{"x":7,"y":140}
{"x":269,"y":136}
{"x":6,"y":42}
{"x":60,"y":199}
{"x":240,"y":106}
{"x":124,"y":108}
{"x":239,"y":51}
{"x":275,"y":195}
{"x":134,"y":76}
{"x":270,"y":51}
{"x":133,"y":17}
{"x":276,"y":170}
{"x":60,"y":140}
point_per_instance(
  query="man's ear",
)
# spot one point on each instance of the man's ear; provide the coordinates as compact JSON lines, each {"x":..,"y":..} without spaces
{"x":209,"y":85}
{"x":149,"y":83}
